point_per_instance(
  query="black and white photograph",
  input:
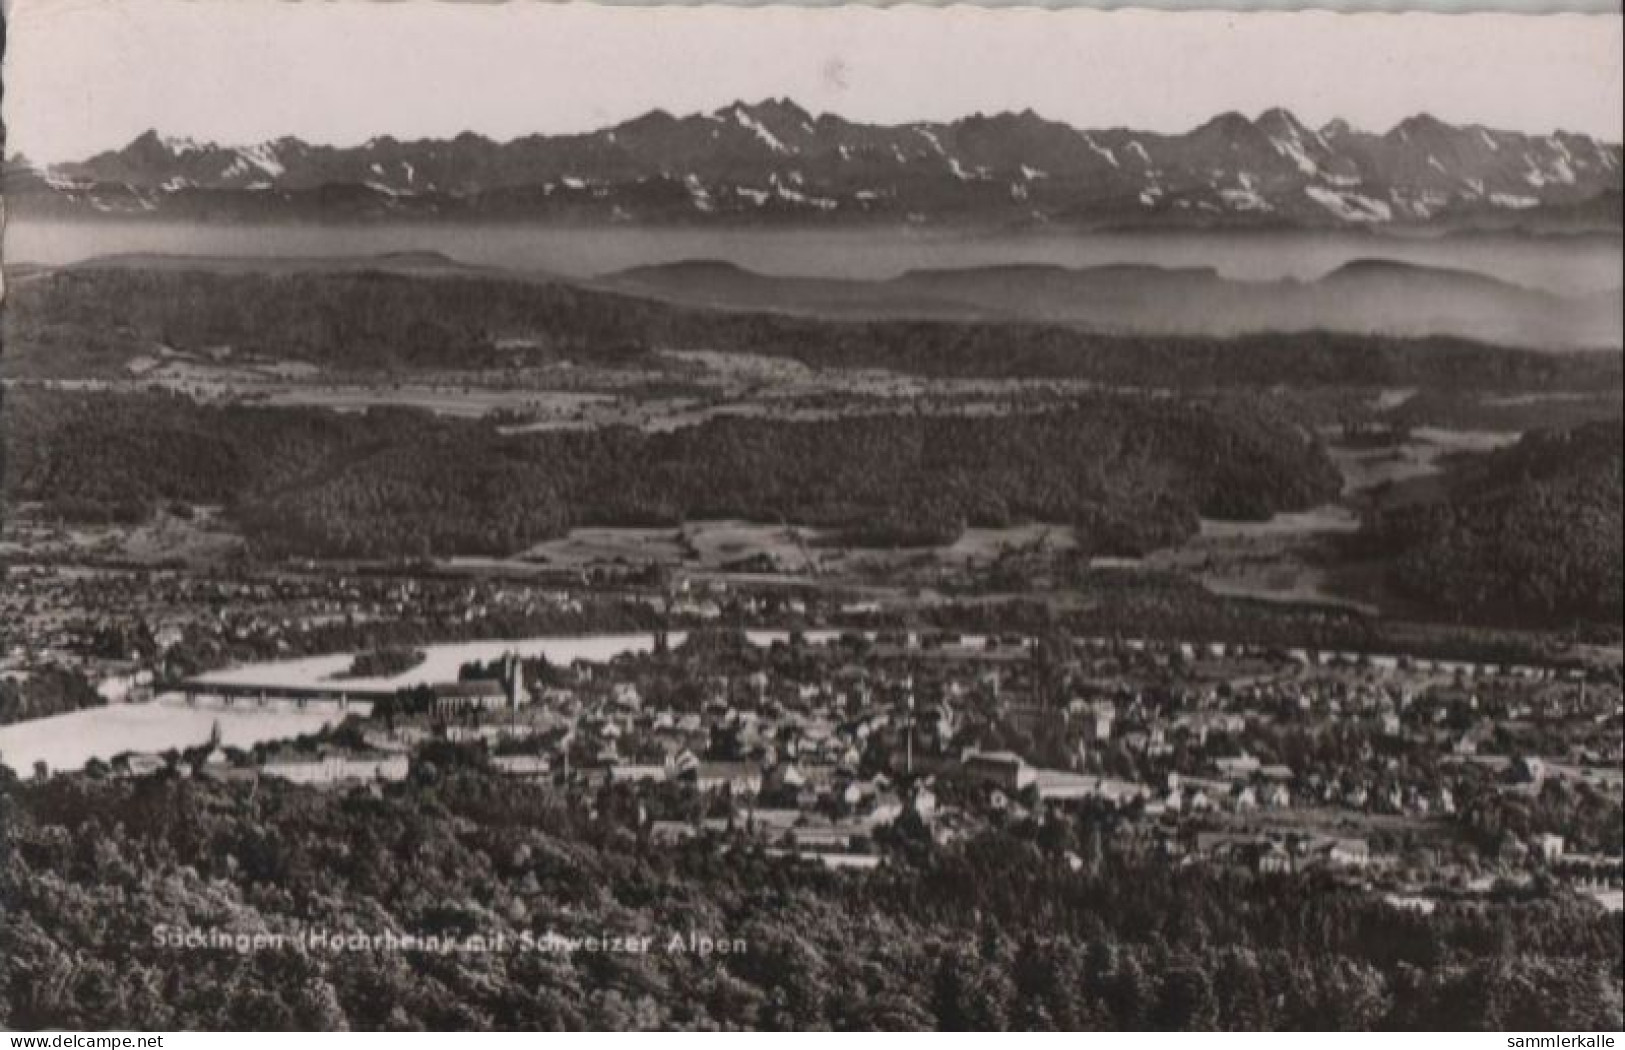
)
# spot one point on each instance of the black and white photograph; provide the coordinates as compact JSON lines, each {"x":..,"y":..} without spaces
{"x":550,"y":517}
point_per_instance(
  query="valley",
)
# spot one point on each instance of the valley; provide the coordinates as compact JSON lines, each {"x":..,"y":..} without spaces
{"x":516,"y":369}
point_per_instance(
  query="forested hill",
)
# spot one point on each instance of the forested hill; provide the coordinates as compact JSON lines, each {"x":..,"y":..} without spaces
{"x":1529,"y":534}
{"x":95,"y":321}
{"x":998,"y":931}
{"x":1132,"y":472}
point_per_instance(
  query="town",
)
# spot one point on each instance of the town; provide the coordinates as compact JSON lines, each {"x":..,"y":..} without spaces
{"x":850,"y":735}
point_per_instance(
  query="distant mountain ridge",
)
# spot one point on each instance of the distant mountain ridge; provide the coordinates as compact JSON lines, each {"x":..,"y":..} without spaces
{"x":1361,"y":296}
{"x":775,"y":162}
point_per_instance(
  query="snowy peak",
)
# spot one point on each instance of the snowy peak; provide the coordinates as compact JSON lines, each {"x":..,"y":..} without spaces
{"x":772,"y":160}
{"x":779,"y":124}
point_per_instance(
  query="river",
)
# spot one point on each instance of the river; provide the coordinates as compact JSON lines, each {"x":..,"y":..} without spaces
{"x":67,"y":742}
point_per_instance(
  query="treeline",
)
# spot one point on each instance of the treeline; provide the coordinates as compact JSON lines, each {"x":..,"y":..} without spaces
{"x":999,"y":931}
{"x":45,"y":691}
{"x":1131,"y":472}
{"x":92,"y":321}
{"x":382,"y":663}
{"x":1526,"y":535}
{"x":104,"y":456}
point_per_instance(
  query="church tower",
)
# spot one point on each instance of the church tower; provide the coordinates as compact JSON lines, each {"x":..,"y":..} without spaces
{"x":516,"y":681}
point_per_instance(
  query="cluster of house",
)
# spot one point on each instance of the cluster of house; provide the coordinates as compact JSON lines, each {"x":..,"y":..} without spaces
{"x":818,"y":745}
{"x":112,"y":623}
{"x":111,"y":626}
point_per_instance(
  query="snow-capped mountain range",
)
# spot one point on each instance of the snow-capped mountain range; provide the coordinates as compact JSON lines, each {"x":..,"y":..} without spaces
{"x":774,"y":161}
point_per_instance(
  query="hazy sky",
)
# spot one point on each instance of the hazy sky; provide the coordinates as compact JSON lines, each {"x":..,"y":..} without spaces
{"x":86,"y":75}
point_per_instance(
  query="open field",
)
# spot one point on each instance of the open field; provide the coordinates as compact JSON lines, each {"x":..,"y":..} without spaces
{"x":560,"y":407}
{"x":663,"y":390}
{"x":1331,"y":518}
{"x":199,"y":535}
{"x":1291,"y":557}
{"x":796,"y":550}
